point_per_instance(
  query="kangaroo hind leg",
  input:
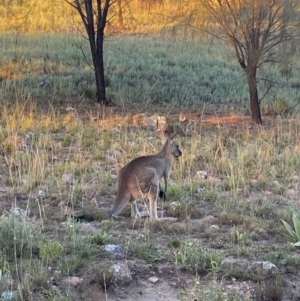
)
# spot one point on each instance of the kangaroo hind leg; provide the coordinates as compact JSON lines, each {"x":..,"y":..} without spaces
{"x":134,"y":210}
{"x":153,"y":195}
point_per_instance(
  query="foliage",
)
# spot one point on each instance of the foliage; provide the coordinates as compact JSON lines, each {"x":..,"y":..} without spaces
{"x":192,"y":257}
{"x":100,"y":237}
{"x":18,"y":236}
{"x":216,"y":293}
{"x":254,"y":30}
{"x":50,"y":250}
{"x":294,"y":233}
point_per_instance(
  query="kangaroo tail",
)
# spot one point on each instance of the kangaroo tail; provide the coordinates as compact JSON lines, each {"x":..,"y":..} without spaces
{"x":119,"y":205}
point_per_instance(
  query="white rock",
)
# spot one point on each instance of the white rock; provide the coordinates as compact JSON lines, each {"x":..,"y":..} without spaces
{"x":153,"y":279}
{"x":201,"y":175}
{"x":18,"y":211}
{"x":267,"y":265}
{"x":121,"y":273}
{"x":69,"y":109}
{"x":73,"y":280}
{"x":8,"y":296}
{"x":42,"y":194}
{"x":3,"y":189}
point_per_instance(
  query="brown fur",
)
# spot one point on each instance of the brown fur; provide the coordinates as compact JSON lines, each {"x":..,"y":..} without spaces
{"x":139,"y":179}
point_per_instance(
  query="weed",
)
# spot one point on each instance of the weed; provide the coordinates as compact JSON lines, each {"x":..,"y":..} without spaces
{"x":100,"y":237}
{"x":294,"y":234}
{"x":175,"y":242}
{"x":270,"y":289}
{"x":214,"y":293}
{"x":192,"y":257}
{"x":145,"y":251}
{"x":50,"y":250}
{"x":18,"y":236}
{"x":105,"y":275}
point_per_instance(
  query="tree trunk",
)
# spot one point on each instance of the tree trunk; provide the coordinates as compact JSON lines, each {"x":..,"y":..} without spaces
{"x":95,"y":32}
{"x":254,"y":101}
{"x":96,"y":46}
{"x":99,"y":69}
{"x":120,"y":15}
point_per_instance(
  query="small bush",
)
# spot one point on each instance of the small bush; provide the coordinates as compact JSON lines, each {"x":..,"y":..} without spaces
{"x":17,"y":237}
{"x":100,"y":237}
{"x":51,"y":250}
{"x":192,"y":257}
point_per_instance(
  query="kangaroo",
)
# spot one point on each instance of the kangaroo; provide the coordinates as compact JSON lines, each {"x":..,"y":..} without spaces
{"x":140,"y":179}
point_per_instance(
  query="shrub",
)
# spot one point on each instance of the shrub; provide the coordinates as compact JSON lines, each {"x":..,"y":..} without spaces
{"x":100,"y":237}
{"x":17,"y":236}
{"x":50,"y":250}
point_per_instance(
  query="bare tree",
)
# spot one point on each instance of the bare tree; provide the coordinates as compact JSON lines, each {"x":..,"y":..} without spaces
{"x":254,"y":28}
{"x":93,"y":14}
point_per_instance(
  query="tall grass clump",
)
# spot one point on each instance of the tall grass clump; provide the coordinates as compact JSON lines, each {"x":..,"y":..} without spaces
{"x":18,"y":237}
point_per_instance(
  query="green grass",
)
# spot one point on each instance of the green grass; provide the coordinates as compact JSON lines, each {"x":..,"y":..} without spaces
{"x":139,"y":70}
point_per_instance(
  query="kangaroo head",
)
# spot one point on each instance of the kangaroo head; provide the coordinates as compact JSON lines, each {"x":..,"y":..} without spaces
{"x":175,"y":151}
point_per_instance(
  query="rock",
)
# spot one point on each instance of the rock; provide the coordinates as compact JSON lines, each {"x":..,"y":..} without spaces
{"x":42,"y":194}
{"x":68,"y":178}
{"x":209,"y":219}
{"x":256,"y":271}
{"x":154,"y":122}
{"x":115,"y":251}
{"x":17,"y":211}
{"x":108,"y":274}
{"x":85,"y":227}
{"x":263,"y":269}
{"x":291,"y":193}
{"x":8,"y":296}
{"x":3,"y":189}
{"x":201,"y":175}
{"x":121,"y":274}
{"x":153,"y":279}
{"x":160,"y":122}
{"x":69,"y":109}
{"x":73,"y":280}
